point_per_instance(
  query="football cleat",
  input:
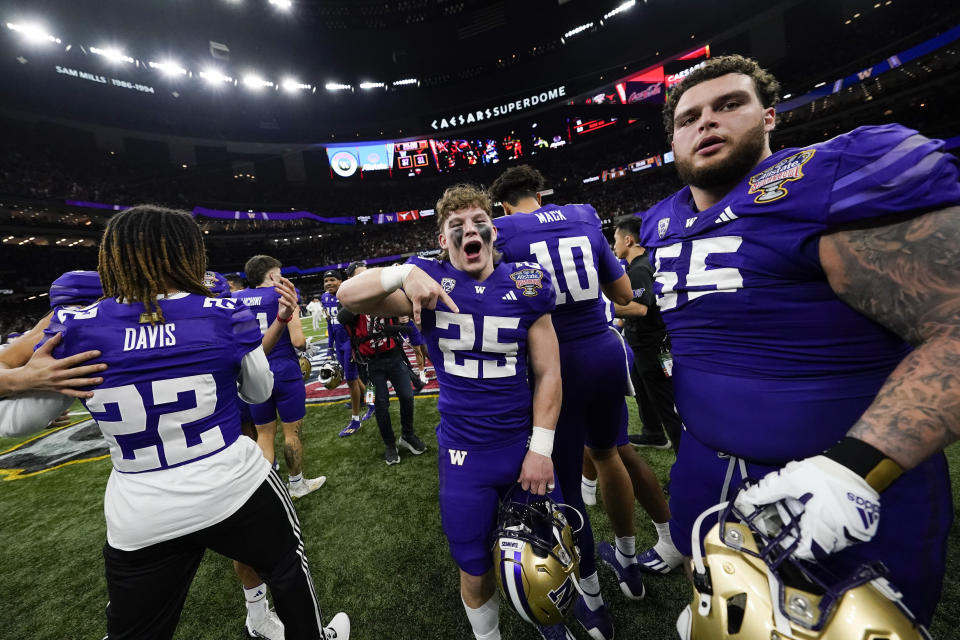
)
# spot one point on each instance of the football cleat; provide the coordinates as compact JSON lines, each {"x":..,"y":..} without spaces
{"x":652,"y":562}
{"x":305,"y":486}
{"x":338,"y":629}
{"x":413,"y":444}
{"x":748,"y":583}
{"x":536,"y":564}
{"x":350,"y":429}
{"x":262,"y":622}
{"x":370,"y":410}
{"x":598,"y":624}
{"x":629,"y":577}
{"x":330,"y":374}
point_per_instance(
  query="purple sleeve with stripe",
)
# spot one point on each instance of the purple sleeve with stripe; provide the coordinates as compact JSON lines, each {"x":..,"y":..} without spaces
{"x":890,"y":169}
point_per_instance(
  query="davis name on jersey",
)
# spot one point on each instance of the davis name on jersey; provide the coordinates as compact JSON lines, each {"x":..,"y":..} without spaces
{"x":187,"y":408}
{"x":480,"y":353}
{"x":747,"y":305}
{"x":568,"y":243}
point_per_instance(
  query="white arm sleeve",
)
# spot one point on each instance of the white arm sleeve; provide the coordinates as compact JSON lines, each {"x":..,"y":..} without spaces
{"x":27,"y":413}
{"x":256,"y":379}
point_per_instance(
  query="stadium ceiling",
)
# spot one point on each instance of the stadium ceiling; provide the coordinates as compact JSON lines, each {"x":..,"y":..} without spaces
{"x":340,"y":67}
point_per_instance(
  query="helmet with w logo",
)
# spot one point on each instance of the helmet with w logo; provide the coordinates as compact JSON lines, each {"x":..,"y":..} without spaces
{"x":536,"y":564}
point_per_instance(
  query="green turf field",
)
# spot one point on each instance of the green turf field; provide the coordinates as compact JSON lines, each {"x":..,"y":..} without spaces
{"x":372,"y":535}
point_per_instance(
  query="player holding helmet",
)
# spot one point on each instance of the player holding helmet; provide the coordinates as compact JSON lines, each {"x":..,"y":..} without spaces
{"x":482,"y":319}
{"x":812,"y":297}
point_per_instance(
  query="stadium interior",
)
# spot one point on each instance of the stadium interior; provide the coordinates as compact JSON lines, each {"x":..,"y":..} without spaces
{"x":323,"y":132}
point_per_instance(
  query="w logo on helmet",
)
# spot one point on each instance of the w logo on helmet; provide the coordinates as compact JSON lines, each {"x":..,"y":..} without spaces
{"x":563,"y":595}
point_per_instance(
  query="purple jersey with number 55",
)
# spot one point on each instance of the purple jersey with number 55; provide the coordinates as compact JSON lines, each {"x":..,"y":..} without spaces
{"x":480,"y":353}
{"x":567,"y":241}
{"x":169,"y":393}
{"x":769,"y":364}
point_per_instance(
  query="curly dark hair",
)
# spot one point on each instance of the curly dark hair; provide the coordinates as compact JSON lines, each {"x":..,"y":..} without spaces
{"x":148,"y":249}
{"x":517,"y":183}
{"x":767,"y":87}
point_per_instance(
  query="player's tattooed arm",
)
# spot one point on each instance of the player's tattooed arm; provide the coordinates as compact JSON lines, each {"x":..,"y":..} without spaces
{"x":906,"y":276}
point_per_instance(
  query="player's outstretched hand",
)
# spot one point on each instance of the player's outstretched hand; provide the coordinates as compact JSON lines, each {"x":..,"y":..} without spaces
{"x":835,"y":506}
{"x":424,"y":292}
{"x":288,"y":299}
{"x":536,"y":473}
{"x":43,"y":372}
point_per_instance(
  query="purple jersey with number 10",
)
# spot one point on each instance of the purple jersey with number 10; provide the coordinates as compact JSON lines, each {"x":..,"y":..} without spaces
{"x":567,"y":241}
{"x":769,"y":364}
{"x":169,"y":393}
{"x":480,"y":353}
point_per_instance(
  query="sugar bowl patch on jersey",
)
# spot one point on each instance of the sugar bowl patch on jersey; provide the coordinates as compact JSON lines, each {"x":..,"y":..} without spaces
{"x":536,"y":564}
{"x":529,"y":279}
{"x":769,"y":184}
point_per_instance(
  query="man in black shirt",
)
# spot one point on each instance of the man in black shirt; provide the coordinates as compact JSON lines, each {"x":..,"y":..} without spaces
{"x":645,"y":333}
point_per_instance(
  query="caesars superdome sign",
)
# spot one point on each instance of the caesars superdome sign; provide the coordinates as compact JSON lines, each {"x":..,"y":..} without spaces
{"x":498,"y":111}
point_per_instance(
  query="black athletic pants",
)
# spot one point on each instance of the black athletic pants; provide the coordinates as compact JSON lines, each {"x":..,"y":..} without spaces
{"x":390,"y":366}
{"x":654,"y":395}
{"x":148,"y":587}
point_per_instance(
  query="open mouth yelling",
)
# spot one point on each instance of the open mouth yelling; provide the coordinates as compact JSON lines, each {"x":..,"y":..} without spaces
{"x":472,"y":249}
{"x":710,"y":145}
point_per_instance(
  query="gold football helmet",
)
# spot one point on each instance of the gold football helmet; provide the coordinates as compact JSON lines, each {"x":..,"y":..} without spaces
{"x":536,"y":563}
{"x":330,"y":374}
{"x":748,"y":585}
{"x":305,"y":368}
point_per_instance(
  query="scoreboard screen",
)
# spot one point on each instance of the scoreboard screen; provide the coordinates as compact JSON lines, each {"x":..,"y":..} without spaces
{"x":413,"y":156}
{"x":581,"y":127}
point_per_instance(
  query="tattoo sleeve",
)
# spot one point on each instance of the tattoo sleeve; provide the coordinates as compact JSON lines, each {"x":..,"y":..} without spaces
{"x":906,"y":277}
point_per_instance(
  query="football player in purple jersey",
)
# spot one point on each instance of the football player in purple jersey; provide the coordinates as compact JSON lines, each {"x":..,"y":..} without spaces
{"x":26,"y":368}
{"x":812,"y":296}
{"x":289,"y":396}
{"x":338,"y":342}
{"x":482,"y":319}
{"x":184,"y":479}
{"x":568,"y":242}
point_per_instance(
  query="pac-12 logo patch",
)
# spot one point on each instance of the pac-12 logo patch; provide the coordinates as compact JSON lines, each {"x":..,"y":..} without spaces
{"x":529,"y":280}
{"x":662,"y":225}
{"x":770,"y":184}
{"x":448,"y":284}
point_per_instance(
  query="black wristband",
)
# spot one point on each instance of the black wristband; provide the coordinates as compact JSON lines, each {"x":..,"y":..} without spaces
{"x":866,"y":461}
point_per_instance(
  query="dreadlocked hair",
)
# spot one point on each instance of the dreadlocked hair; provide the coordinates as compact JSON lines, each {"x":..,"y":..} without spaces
{"x":147,"y":250}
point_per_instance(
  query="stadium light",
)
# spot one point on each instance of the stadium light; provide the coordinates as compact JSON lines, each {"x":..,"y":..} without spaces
{"x":623,"y":7}
{"x":371,"y":85}
{"x":213,"y":76}
{"x":254,"y":81}
{"x":32,"y":32}
{"x":336,"y":86}
{"x":292,"y":85}
{"x":577,"y":30}
{"x":112,"y":54}
{"x":282,"y":4}
{"x":405,"y":81}
{"x":168,"y":68}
